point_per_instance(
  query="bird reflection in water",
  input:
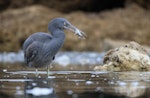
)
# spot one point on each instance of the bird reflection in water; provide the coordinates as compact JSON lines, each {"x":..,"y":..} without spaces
{"x":40,"y":88}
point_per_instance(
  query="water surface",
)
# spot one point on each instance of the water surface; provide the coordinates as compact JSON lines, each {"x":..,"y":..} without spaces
{"x":16,"y":83}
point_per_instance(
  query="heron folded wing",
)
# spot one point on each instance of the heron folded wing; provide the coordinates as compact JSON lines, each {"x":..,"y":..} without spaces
{"x":31,"y":52}
{"x":39,"y":36}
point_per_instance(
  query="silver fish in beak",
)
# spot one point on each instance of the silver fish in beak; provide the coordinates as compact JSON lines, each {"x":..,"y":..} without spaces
{"x":76,"y":31}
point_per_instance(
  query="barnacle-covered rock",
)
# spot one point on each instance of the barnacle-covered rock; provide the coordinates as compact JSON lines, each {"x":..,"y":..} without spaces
{"x":130,"y":57}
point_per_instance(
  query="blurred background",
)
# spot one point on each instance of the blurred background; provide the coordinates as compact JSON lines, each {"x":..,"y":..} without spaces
{"x":108,"y":23}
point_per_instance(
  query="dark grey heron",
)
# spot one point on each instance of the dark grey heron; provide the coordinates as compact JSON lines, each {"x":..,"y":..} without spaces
{"x":40,"y":48}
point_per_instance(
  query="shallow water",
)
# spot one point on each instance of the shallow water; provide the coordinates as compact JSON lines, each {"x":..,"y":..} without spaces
{"x":16,"y":83}
{"x":74,"y":58}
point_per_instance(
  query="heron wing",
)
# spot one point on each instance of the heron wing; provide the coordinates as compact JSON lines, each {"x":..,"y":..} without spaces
{"x":27,"y":42}
{"x":31,"y":52}
{"x":39,"y":36}
{"x":33,"y":43}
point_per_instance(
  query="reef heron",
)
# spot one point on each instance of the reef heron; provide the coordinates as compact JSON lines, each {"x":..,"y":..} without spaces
{"x":40,"y":48}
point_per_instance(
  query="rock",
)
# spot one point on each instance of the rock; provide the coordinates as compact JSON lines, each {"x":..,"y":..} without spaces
{"x":111,"y":44}
{"x":16,"y":25}
{"x":130,"y":57}
{"x":121,"y":24}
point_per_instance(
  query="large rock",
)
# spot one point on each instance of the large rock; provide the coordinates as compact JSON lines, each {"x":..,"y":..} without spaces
{"x":130,"y":57}
{"x":131,"y":23}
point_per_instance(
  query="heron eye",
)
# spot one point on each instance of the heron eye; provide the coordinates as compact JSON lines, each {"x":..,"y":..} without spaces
{"x":65,"y":23}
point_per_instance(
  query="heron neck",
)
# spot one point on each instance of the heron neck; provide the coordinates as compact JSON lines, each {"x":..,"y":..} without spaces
{"x":58,"y":34}
{"x":55,"y":44}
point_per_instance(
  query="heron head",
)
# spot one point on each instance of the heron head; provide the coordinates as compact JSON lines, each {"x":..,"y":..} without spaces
{"x":63,"y":24}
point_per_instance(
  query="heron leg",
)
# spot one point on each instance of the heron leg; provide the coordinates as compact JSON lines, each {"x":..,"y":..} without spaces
{"x":48,"y":68}
{"x":36,"y":72}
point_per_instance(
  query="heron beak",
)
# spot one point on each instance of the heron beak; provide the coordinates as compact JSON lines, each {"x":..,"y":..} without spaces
{"x":76,"y":31}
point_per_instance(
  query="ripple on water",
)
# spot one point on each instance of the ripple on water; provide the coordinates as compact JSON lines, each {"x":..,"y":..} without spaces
{"x":73,"y":83}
